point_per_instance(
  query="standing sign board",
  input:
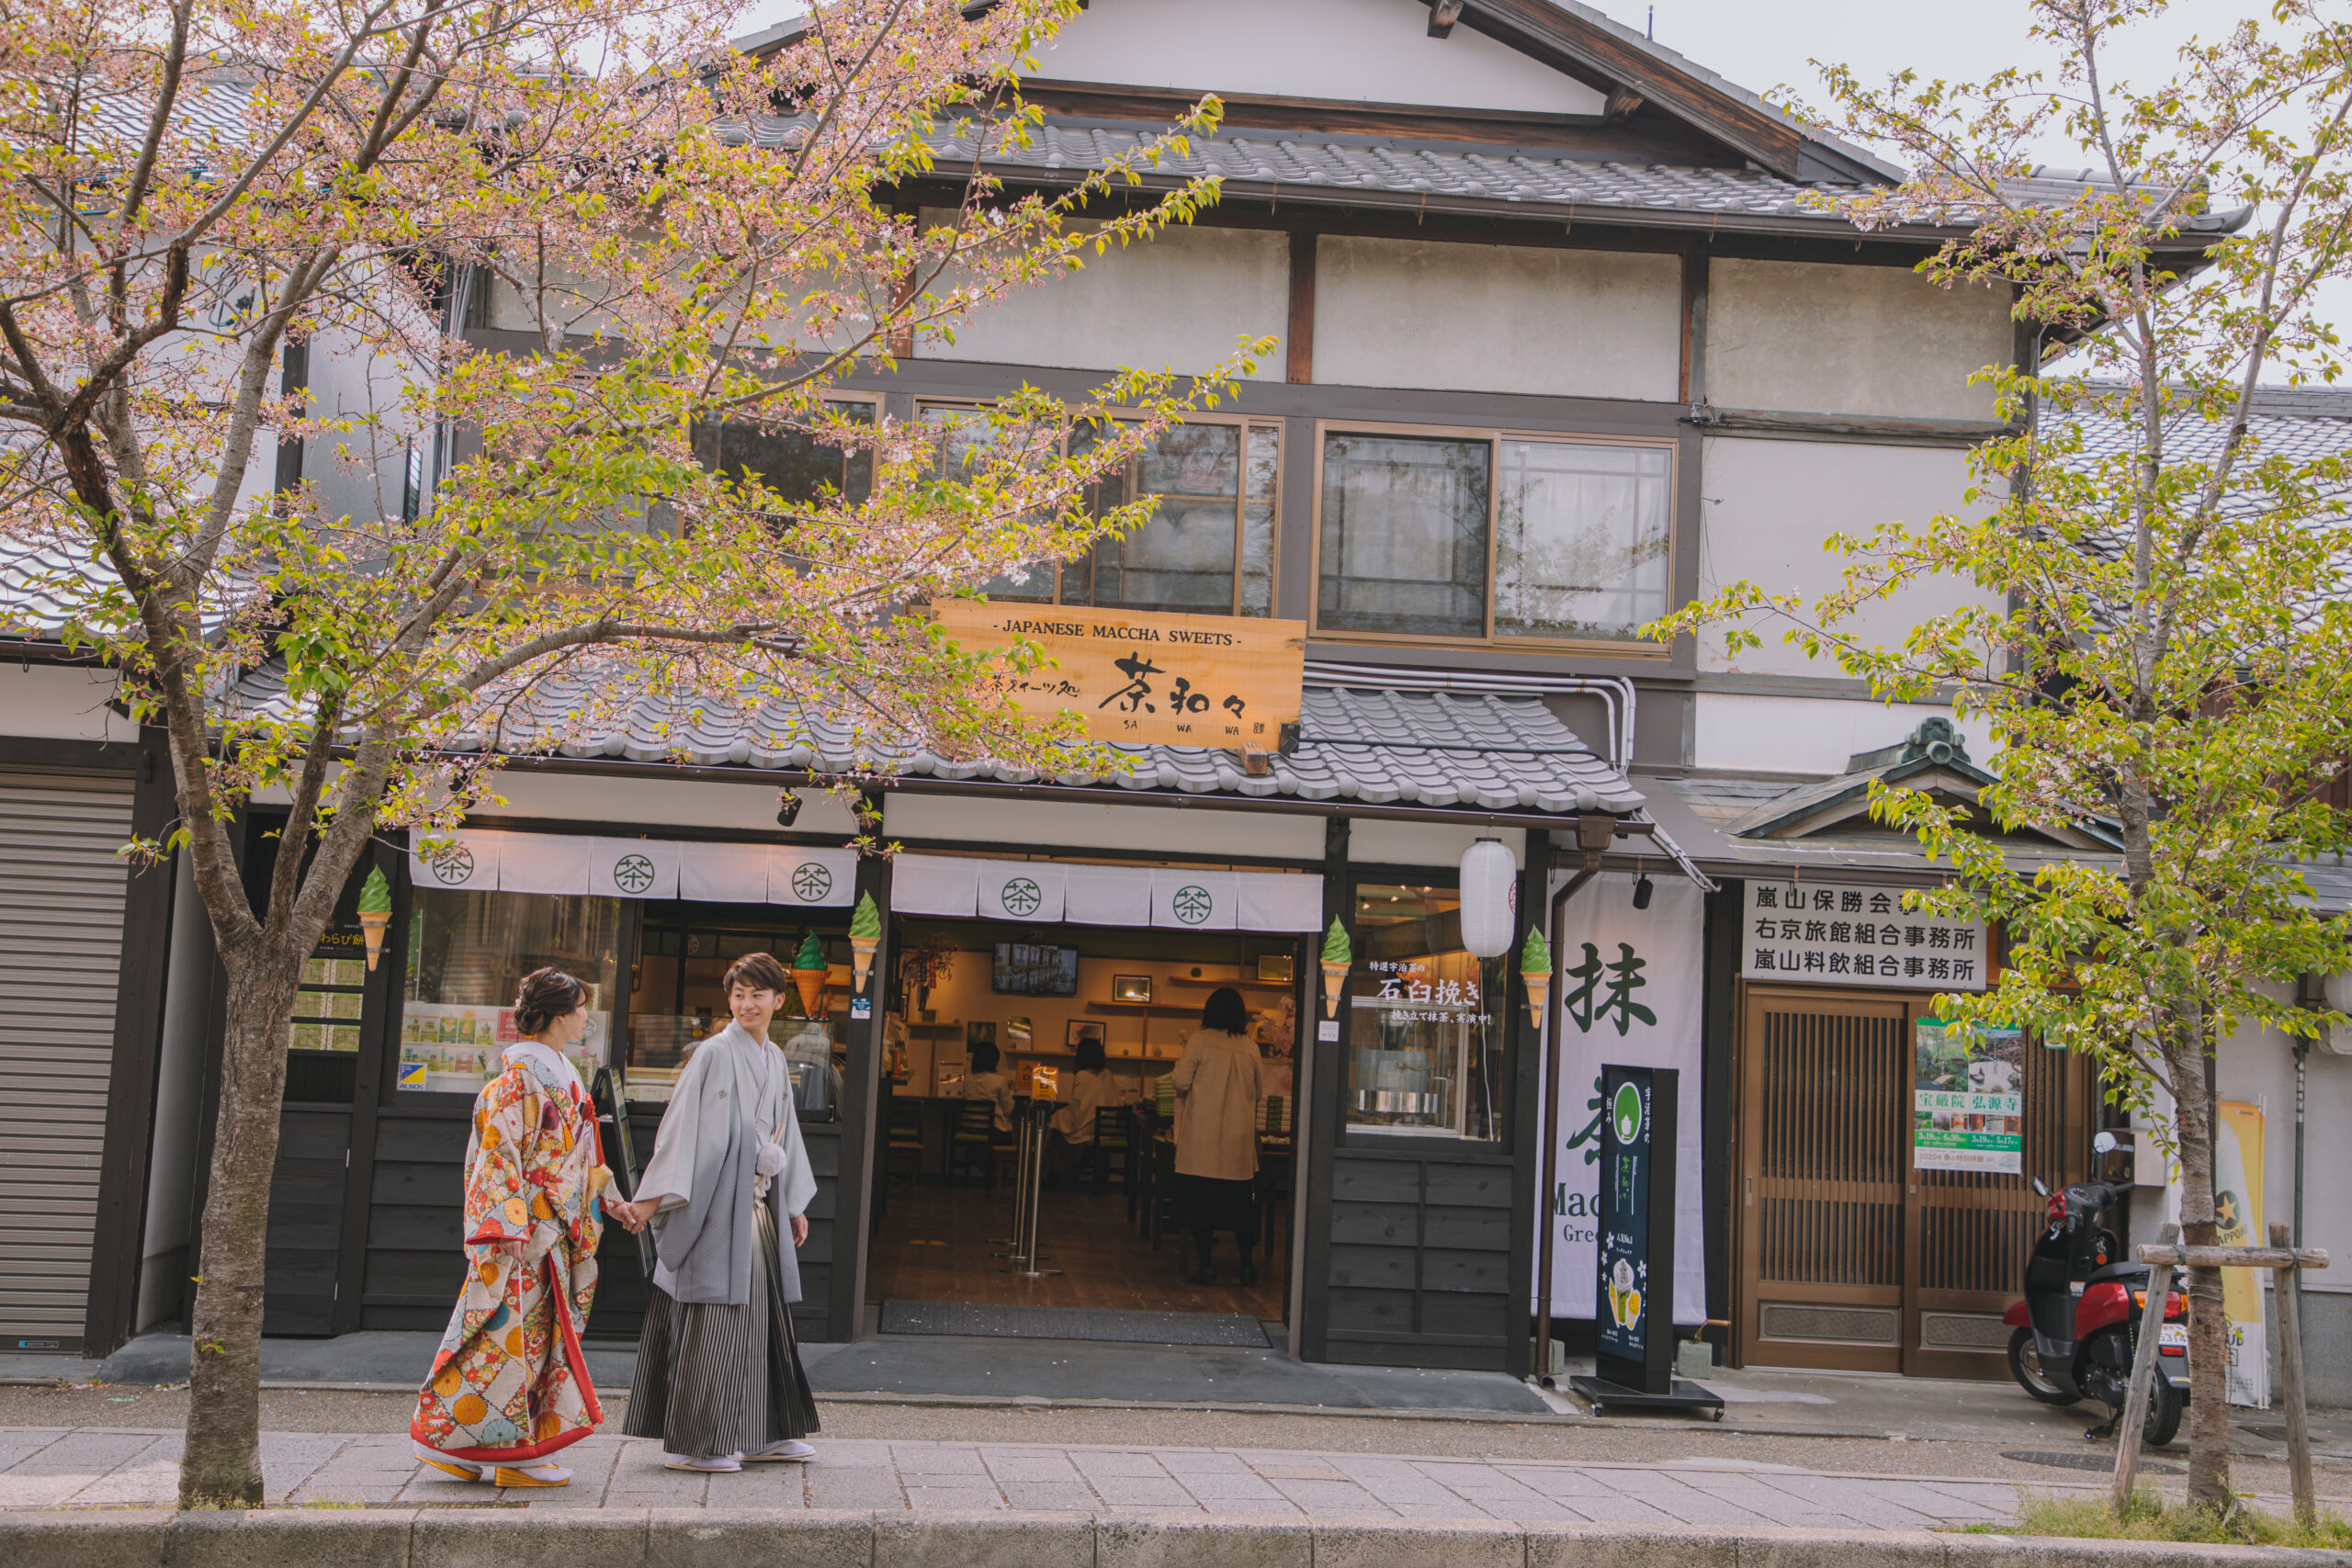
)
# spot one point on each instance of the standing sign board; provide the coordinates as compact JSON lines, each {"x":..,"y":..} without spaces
{"x":1830,"y":934}
{"x":1968,"y":1099}
{"x":1635,"y":1303}
{"x":1143,"y":678}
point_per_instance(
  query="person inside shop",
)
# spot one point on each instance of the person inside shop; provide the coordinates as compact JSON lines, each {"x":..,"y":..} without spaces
{"x":1093,"y":1088}
{"x":509,"y":1387}
{"x":985,"y":1082}
{"x":718,"y":1375}
{"x":1217,"y":1086}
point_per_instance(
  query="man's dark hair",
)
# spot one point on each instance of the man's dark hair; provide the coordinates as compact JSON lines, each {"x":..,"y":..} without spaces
{"x":983,"y":1056}
{"x":544,"y":996}
{"x":758,"y":970}
{"x":1225,"y":1012}
{"x":1089,"y":1055}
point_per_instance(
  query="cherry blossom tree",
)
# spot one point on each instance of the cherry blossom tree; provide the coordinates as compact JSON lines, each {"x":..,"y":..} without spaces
{"x":2157,"y":635}
{"x":678,"y":237}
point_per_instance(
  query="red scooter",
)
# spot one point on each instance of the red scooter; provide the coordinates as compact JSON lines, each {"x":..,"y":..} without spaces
{"x":2078,"y":1327}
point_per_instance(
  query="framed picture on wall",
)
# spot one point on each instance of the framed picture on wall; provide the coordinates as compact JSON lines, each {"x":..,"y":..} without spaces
{"x":1277,"y":968}
{"x":1131,"y":988}
{"x":1080,"y":1029}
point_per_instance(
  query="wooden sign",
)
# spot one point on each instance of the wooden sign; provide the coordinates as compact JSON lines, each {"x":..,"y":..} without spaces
{"x":1146,"y":679}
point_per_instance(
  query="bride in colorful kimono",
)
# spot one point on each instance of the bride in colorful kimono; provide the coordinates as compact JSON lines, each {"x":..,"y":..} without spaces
{"x":509,"y":1386}
{"x":718,"y":1377}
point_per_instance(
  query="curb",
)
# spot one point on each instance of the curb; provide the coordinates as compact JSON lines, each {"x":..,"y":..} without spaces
{"x":698,"y":1538}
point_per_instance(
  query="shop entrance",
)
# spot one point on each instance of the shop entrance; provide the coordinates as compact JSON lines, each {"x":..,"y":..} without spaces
{"x":1848,"y":1256}
{"x":1046,"y":1001}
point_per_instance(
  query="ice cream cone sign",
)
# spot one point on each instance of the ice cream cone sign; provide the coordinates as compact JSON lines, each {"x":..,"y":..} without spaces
{"x":808,"y":971}
{"x":1535,"y":973}
{"x":865,"y":936}
{"x":375,"y":912}
{"x":1338,"y":955}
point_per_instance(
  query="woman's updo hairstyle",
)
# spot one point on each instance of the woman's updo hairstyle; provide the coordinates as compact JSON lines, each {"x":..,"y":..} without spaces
{"x":544,"y":996}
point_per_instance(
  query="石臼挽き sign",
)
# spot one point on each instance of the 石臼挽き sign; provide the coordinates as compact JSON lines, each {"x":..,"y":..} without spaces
{"x":1968,"y":1099}
{"x":1828,"y":934}
{"x":1146,"y":678}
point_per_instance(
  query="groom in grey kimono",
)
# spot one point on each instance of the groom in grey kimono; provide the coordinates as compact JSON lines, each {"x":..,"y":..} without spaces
{"x":718,"y":1377}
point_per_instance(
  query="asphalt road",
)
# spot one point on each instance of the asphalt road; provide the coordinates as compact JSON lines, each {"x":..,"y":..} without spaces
{"x":1632,"y":1440}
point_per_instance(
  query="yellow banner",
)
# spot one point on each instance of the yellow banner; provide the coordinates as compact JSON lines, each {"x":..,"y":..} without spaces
{"x":1147,"y":679}
{"x":2237,"y":1205}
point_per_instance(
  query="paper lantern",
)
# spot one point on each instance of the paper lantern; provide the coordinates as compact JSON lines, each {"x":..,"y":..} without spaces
{"x":1488,"y":882}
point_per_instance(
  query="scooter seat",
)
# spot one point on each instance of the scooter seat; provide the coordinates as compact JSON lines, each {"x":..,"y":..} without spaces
{"x":2124,"y":1273}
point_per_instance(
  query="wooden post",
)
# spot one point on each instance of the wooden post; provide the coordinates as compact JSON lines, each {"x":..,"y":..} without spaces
{"x":2287,"y":1292}
{"x":2134,"y":1421}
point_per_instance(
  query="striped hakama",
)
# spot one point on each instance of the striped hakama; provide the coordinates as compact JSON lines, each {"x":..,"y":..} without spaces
{"x":714,"y":1380}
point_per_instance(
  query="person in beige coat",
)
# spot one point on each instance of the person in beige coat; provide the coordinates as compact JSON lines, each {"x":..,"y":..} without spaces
{"x":1216,"y":1131}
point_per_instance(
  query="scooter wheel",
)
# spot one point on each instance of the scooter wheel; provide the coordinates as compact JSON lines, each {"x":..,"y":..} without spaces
{"x":2164,"y":1412}
{"x":2025,"y":1365}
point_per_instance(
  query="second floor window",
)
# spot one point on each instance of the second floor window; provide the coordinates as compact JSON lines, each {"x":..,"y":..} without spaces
{"x":1492,"y":536}
{"x":1207,"y":548}
{"x":793,"y":462}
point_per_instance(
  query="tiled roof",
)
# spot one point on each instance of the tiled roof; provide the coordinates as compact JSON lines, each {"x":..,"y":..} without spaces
{"x":2302,"y":423}
{"x":31,"y":576}
{"x":1370,"y":746}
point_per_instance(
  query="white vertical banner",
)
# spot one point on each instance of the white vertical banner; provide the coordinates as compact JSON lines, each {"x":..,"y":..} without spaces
{"x":935,"y":885}
{"x":1195,"y":900}
{"x":1106,"y":895}
{"x":633,"y":868}
{"x":1629,"y":984}
{"x":1020,"y":890}
{"x":723,"y":874}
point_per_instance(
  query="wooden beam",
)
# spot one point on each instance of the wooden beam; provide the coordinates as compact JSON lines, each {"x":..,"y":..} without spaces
{"x":2235,"y":1257}
{"x":1444,"y":14}
{"x":1299,"y":366}
{"x":1623,"y":102}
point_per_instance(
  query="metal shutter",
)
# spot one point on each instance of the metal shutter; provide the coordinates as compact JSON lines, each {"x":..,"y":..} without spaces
{"x":60,"y":954}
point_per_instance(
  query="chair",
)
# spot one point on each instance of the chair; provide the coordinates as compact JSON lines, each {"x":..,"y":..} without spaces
{"x":974,"y":1138}
{"x":1113,"y":1139}
{"x":903,"y":1150}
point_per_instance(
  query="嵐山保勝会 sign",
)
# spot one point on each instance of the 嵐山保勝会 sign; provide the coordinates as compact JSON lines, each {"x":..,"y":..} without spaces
{"x":1146,"y":678}
{"x":1830,"y":933}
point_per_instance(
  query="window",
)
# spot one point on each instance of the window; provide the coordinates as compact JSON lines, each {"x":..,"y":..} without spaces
{"x":791,"y":461}
{"x":466,"y":954}
{"x":1492,"y":536}
{"x":675,"y":1001}
{"x":1426,"y":1019}
{"x":1208,"y":547}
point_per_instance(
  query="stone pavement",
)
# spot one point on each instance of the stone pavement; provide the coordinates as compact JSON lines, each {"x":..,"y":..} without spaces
{"x":94,"y":1468}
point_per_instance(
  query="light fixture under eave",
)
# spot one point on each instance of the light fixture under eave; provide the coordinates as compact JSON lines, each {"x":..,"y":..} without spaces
{"x":788,"y":808}
{"x":1489,"y":880}
{"x":1642,"y":888}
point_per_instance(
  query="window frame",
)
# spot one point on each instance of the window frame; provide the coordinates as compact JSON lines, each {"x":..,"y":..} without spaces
{"x":1494,"y":437}
{"x":1247,"y":424}
{"x":870,"y":401}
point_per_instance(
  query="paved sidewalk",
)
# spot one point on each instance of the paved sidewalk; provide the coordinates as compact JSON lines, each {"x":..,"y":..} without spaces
{"x":89,"y":1468}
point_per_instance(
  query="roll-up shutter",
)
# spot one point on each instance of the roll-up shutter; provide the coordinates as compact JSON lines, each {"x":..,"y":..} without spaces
{"x":61,"y":950}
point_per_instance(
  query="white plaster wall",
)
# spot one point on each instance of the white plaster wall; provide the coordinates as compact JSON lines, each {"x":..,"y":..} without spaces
{"x":1182,"y":301}
{"x":1766,"y":506}
{"x":1373,"y":841}
{"x":653,"y":805}
{"x":359,"y":472}
{"x":1808,"y":735}
{"x":60,"y":702}
{"x":1496,"y":319}
{"x":1818,"y":337}
{"x":1202,"y":833}
{"x":171,"y":1171}
{"x":1372,"y":50}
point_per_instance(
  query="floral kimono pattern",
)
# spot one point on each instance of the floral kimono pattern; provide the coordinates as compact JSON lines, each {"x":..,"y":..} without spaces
{"x":509,"y":1385}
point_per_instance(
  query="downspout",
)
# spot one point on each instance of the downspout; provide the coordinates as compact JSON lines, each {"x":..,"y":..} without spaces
{"x":1593,"y":835}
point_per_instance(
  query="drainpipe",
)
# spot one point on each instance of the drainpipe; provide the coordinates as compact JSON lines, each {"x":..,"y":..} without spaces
{"x":1593,"y":835}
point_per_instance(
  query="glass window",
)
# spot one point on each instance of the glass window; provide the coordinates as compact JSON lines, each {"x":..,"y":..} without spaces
{"x":1404,"y":535}
{"x":676,"y":1000}
{"x":1425,"y":1017}
{"x":791,"y":460}
{"x":1207,"y":548}
{"x":468,"y":953}
{"x":1581,"y":539}
{"x":1493,"y":537}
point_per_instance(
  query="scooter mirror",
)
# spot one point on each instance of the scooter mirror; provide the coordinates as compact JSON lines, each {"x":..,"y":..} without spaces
{"x":2104,"y":1143}
{"x":2041,"y":1188}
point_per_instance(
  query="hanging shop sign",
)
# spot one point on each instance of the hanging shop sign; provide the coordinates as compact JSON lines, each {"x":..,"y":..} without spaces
{"x":1629,"y":992}
{"x":1968,"y":1099}
{"x":1146,"y":678}
{"x":479,"y":861}
{"x":1828,"y":933}
{"x":956,"y":887}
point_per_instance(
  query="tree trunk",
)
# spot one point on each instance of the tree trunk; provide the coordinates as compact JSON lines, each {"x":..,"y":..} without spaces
{"x":220,"y":1464}
{"x":2209,"y":1335}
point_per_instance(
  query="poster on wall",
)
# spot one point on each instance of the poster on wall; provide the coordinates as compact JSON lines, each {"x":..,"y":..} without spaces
{"x":1630,"y":989}
{"x":1968,"y":1099}
{"x":1831,"y":934}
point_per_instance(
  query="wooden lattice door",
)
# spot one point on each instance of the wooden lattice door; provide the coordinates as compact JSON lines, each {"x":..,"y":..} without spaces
{"x":1850,"y":1259}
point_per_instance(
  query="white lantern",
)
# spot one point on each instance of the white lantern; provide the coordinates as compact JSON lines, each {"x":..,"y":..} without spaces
{"x":1489,"y":882}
